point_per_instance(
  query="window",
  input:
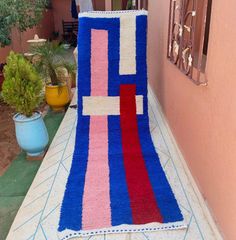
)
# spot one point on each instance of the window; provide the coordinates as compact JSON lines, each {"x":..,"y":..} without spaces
{"x":129,"y":4}
{"x":189,"y":26}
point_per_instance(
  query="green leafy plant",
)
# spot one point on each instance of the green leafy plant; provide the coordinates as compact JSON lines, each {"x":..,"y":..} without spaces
{"x":70,"y":67}
{"x":22,"y":88}
{"x":50,"y":61}
{"x":129,"y":5}
{"x":22,"y":14}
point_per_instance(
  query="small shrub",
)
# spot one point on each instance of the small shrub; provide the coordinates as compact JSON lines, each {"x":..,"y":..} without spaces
{"x":22,"y":87}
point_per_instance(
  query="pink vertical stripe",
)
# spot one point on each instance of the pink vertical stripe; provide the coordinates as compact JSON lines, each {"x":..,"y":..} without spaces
{"x":99,"y":63}
{"x":96,"y":199}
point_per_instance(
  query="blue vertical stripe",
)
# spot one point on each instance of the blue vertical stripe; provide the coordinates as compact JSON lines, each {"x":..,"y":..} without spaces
{"x":71,"y":210}
{"x":120,"y":204}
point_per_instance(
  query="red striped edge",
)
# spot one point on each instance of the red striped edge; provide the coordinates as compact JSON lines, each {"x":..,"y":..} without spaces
{"x":142,"y":199}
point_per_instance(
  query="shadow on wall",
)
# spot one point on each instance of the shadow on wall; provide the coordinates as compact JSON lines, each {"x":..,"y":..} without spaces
{"x":156,"y":44}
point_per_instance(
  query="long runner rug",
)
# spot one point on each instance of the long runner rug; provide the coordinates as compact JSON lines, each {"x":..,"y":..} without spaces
{"x":116,"y":182}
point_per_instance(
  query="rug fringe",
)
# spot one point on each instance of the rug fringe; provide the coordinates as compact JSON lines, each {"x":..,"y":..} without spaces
{"x":110,"y":14}
{"x":152,"y":227}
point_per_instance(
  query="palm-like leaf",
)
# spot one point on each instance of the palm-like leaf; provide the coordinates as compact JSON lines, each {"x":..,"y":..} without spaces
{"x":49,"y":60}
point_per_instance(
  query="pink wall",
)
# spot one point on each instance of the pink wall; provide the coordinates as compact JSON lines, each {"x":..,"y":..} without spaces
{"x":203,"y":119}
{"x":41,"y":30}
{"x":108,"y":5}
{"x":61,"y":11}
{"x":52,"y":21}
{"x":99,"y":5}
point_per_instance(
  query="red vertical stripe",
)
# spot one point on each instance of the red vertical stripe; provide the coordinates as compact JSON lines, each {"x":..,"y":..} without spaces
{"x":143,"y":203}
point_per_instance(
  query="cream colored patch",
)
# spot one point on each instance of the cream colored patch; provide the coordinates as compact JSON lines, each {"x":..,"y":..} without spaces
{"x":99,"y":105}
{"x":127,"y":45}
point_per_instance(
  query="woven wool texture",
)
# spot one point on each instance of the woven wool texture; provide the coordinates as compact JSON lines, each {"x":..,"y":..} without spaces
{"x":116,"y":182}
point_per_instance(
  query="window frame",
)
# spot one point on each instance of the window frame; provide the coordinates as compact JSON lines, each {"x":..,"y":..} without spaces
{"x":181,"y":52}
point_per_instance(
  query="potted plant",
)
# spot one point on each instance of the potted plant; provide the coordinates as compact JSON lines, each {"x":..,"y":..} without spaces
{"x":49,"y":65}
{"x":71,"y":70}
{"x":22,"y":90}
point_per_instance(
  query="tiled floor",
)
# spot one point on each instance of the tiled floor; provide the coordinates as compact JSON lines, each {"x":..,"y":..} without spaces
{"x":38,"y":216}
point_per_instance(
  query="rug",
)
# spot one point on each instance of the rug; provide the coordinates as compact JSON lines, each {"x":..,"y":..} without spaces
{"x":116,"y":182}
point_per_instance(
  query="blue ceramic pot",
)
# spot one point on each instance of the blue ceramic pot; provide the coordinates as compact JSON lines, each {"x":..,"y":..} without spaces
{"x":31,"y":133}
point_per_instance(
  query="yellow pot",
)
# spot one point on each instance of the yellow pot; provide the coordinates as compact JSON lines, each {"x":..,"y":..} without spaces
{"x":57,"y":96}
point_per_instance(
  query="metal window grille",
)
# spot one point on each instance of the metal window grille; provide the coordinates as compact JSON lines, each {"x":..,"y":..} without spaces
{"x":186,"y":36}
